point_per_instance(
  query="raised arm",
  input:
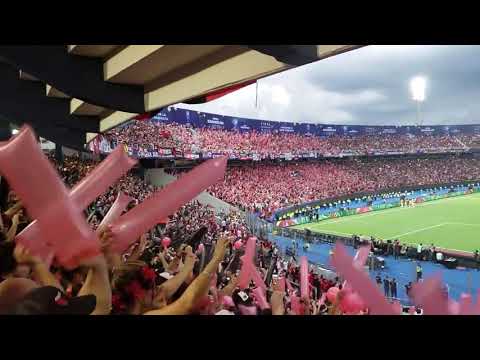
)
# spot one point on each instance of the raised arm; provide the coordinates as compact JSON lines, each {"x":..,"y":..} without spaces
{"x":98,"y":283}
{"x":138,"y":251}
{"x":230,"y":287}
{"x":276,"y":300}
{"x":40,"y":271}
{"x":13,"y":228}
{"x":14,"y":209}
{"x":113,"y":259}
{"x":198,"y":288}
{"x":171,"y":286}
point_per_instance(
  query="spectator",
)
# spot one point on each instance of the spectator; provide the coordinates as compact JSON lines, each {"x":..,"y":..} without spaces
{"x":386,"y":286}
{"x":393,"y":288}
{"x":419,"y":272}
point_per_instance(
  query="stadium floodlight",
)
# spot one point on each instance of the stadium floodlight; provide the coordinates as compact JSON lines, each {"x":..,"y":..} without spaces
{"x":418,"y":86}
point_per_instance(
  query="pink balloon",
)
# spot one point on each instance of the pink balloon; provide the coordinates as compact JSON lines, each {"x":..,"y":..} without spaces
{"x":115,"y":210}
{"x":352,"y":303}
{"x":93,"y":185}
{"x":166,"y":241}
{"x":165,"y":202}
{"x":304,"y":277}
{"x":238,"y":244}
{"x":332,"y":294}
{"x":62,"y":225}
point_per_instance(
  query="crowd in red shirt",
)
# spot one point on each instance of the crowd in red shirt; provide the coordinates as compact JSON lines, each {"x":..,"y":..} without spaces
{"x":147,"y":136}
{"x":264,"y":188}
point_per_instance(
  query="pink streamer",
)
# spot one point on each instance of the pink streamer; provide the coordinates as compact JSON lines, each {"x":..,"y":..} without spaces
{"x":360,"y":282}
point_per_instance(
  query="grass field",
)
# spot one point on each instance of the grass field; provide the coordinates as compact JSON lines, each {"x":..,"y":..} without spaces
{"x":452,"y":223}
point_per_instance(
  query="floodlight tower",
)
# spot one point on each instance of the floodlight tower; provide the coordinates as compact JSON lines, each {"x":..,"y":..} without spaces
{"x":417,"y":88}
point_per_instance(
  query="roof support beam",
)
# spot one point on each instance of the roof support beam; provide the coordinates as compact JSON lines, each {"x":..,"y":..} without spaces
{"x":141,"y":64}
{"x":51,"y":114}
{"x":78,"y":76}
{"x":249,"y":65}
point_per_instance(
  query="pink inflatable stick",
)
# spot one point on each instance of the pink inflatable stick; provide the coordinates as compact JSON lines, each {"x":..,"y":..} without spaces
{"x":115,"y":165}
{"x":429,"y":296}
{"x":260,"y":298}
{"x":290,"y":288}
{"x":115,"y":210}
{"x":304,"y":277}
{"x":360,"y":259}
{"x":61,"y":222}
{"x":281,"y":284}
{"x":93,"y":185}
{"x":296,"y":305}
{"x":130,"y":226}
{"x":248,"y":271}
{"x":360,"y":282}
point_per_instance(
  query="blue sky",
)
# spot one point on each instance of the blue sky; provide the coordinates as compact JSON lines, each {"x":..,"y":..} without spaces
{"x":366,"y":86}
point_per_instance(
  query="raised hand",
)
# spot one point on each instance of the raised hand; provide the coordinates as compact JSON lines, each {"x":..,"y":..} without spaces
{"x":221,"y":248}
{"x":190,"y":257}
{"x":23,"y":256}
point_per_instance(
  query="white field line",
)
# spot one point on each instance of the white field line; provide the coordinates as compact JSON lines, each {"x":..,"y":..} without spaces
{"x":416,"y":231}
{"x":335,"y":232}
{"x":385,"y":212}
{"x":438,"y":247}
{"x":460,"y":223}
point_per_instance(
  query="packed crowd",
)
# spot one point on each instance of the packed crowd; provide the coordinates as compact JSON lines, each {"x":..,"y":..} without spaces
{"x":190,"y":265}
{"x":147,"y":136}
{"x":265,"y":188}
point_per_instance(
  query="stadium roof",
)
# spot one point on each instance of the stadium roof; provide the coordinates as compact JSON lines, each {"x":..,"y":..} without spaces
{"x":69,"y":93}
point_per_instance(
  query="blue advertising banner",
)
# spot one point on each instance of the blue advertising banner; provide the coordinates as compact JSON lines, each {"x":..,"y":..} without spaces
{"x":220,"y":122}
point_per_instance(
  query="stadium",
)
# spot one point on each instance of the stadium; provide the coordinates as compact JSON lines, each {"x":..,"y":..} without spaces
{"x":171,"y":210}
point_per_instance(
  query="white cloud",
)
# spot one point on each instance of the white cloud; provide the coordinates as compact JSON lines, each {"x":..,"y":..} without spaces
{"x":290,"y":97}
{"x":365,"y":86}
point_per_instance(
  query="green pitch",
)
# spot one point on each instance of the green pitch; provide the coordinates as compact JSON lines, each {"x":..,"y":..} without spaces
{"x":452,"y":223}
